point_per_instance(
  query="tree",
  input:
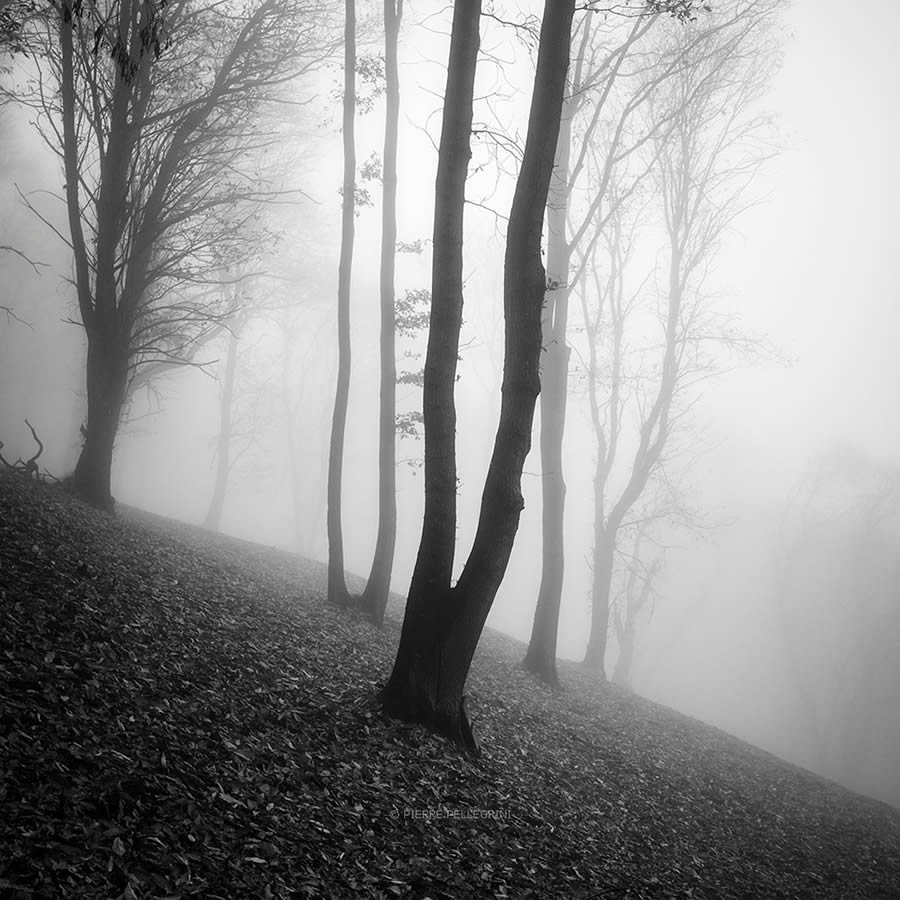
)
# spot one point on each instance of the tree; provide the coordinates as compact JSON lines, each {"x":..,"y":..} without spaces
{"x":702,"y":167}
{"x":615,"y":74}
{"x":154,"y":112}
{"x":443,"y":624}
{"x":639,"y":578}
{"x":375,"y":596}
{"x":337,"y":584}
{"x":589,"y":76}
{"x":213,"y":518}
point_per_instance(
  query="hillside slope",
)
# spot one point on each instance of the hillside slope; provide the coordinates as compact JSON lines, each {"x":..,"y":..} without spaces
{"x":182,"y":715}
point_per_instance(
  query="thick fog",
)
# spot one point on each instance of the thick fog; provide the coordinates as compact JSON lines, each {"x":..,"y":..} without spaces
{"x":774,"y":611}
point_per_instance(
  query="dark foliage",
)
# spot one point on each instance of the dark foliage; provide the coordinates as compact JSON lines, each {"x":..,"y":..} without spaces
{"x":182,"y":714}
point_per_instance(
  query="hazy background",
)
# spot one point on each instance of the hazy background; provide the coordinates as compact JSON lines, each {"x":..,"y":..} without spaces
{"x":811,"y":267}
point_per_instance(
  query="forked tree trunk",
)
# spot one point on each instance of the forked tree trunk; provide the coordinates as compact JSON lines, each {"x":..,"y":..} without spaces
{"x":375,"y":596}
{"x":443,"y":624}
{"x":223,"y":450}
{"x":337,"y":585}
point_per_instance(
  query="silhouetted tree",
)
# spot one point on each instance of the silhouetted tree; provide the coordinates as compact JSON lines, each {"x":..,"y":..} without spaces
{"x":443,"y":624}
{"x":154,"y":111}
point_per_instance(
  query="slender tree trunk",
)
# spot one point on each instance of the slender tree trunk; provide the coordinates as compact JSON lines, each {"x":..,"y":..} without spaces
{"x":375,"y":596}
{"x":443,"y":625}
{"x":434,"y":562}
{"x":541,"y":655}
{"x":223,"y":452}
{"x":625,"y":660}
{"x":337,"y":585}
{"x":602,"y":563}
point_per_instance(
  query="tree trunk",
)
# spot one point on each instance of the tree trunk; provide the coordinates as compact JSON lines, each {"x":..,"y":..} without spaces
{"x":414,"y":691}
{"x":443,"y":625}
{"x":625,"y":659}
{"x":602,"y":563}
{"x":540,"y":658}
{"x":337,"y":585}
{"x":106,"y":385}
{"x":375,"y":596}
{"x":223,"y":456}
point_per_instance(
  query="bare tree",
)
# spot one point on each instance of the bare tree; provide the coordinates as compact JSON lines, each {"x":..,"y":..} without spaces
{"x":608,"y":64}
{"x":638,"y":589}
{"x":443,"y":624}
{"x":154,"y":113}
{"x":701,"y":168}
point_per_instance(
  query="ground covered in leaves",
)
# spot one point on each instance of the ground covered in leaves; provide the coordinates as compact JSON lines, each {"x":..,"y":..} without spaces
{"x":181,"y":715}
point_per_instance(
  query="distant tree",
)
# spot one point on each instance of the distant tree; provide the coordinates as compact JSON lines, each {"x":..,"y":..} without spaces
{"x":213,"y":518}
{"x":443,"y":624}
{"x":154,"y":111}
{"x":606,"y":89}
{"x":337,"y":584}
{"x":375,"y":595}
{"x":639,"y":576}
{"x":701,"y":168}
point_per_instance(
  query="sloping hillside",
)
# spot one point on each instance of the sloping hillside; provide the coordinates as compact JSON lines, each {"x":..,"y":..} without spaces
{"x":182,"y":715}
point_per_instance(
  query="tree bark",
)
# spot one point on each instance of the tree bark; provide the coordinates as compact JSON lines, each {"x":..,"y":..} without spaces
{"x":602,"y":562}
{"x":625,"y":660}
{"x":223,"y":455}
{"x":414,"y":689}
{"x":337,"y":585}
{"x":375,"y":596}
{"x":540,"y":658}
{"x":107,"y":375}
{"x":443,"y":625}
{"x":106,"y":367}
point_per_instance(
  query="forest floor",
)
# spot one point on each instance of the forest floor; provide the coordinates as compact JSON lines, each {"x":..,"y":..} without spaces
{"x":181,"y":714}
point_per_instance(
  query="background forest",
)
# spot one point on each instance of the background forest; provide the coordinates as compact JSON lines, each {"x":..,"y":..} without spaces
{"x":712,"y":498}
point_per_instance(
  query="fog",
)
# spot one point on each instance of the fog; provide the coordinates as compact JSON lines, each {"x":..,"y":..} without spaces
{"x":767,"y":608}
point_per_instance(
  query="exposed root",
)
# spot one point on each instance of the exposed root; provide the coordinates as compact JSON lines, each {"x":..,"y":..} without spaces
{"x":29,"y":468}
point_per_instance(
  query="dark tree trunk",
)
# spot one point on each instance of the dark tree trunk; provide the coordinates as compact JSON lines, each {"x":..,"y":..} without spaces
{"x":443,"y":625}
{"x":414,"y":691}
{"x":223,"y":451}
{"x":107,"y":376}
{"x":108,"y":335}
{"x":540,"y":657}
{"x":337,"y":585}
{"x":375,"y":596}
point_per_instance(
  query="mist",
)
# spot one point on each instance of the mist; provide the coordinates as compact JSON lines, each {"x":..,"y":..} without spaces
{"x":774,"y":611}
